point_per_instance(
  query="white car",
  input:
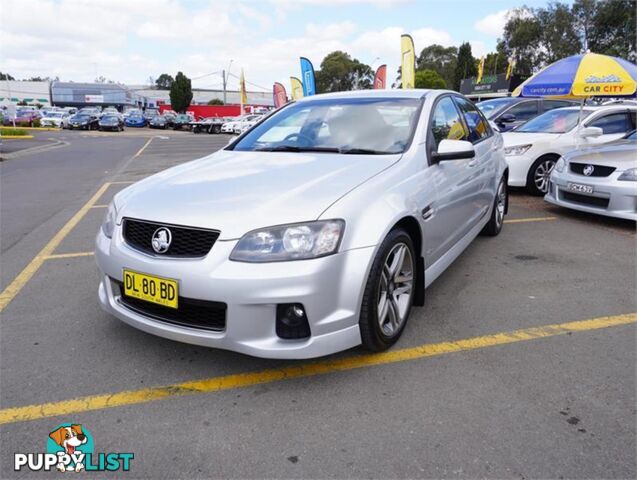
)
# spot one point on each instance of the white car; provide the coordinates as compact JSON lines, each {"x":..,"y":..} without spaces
{"x":235,"y":125}
{"x":533,"y":148}
{"x":55,"y":119}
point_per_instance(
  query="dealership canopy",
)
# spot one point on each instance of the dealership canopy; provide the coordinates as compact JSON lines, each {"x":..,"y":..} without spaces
{"x":581,"y":76}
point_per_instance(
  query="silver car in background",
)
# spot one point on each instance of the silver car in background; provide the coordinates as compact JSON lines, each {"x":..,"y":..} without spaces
{"x":313,"y":232}
{"x":600,"y":179}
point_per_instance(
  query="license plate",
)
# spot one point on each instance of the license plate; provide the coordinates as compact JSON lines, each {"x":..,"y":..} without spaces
{"x":579,"y":188}
{"x":162,"y":291}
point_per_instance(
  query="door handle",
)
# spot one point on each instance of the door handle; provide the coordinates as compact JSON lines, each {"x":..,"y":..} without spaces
{"x":473,"y":162}
{"x":427,"y":212}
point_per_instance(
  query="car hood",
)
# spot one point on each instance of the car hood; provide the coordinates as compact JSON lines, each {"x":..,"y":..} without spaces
{"x":521,"y":138}
{"x":620,"y":154}
{"x":236,"y":192}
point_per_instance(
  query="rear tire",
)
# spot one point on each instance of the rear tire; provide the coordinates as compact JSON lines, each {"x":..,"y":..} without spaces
{"x":389,"y":292}
{"x":500,"y":203}
{"x":537,"y":180}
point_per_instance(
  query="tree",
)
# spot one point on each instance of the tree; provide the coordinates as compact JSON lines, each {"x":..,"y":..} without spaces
{"x":164,"y":82}
{"x":559,"y":36}
{"x":440,"y":59}
{"x":495,"y":62}
{"x":216,"y":101}
{"x":6,"y":76}
{"x":584,"y":12}
{"x":613,"y":29}
{"x":339,"y":72}
{"x":429,"y":79}
{"x":522,"y":36}
{"x":180,"y":93}
{"x":465,"y":66}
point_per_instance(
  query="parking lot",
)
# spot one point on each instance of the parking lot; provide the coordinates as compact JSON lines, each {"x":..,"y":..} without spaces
{"x":521,"y":364}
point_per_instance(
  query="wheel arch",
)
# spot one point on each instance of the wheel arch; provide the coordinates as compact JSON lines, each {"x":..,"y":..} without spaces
{"x":412,"y":227}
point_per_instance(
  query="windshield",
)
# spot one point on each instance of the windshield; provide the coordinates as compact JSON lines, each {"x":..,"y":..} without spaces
{"x":341,"y":125}
{"x":555,"y":121}
{"x":54,"y":114}
{"x":491,"y":107}
{"x":632,"y":136}
{"x":82,"y":117}
{"x":110,"y":117}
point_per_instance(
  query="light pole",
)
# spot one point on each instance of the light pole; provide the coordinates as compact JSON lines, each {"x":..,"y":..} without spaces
{"x":225,"y":80}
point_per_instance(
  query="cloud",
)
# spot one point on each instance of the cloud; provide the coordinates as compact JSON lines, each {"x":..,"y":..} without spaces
{"x":137,"y":39}
{"x":492,"y":24}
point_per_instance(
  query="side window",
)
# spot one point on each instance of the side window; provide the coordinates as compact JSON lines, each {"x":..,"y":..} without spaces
{"x":524,"y":111}
{"x":446,"y":123}
{"x":552,"y":104}
{"x":613,"y":123}
{"x":478,"y":126}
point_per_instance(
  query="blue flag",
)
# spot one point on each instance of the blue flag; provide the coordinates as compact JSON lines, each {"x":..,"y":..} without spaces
{"x":307,"y":76}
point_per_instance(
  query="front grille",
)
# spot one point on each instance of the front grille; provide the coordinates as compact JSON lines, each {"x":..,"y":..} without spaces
{"x":191,"y":313}
{"x":187,"y":242}
{"x":585,"y":199}
{"x":598,"y":170}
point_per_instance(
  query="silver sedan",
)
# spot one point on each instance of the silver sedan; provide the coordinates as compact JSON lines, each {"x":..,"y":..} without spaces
{"x":313,"y":232}
{"x":600,"y":179}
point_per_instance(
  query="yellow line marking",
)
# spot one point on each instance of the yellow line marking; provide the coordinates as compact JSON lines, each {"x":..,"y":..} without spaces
{"x":34,"y":265}
{"x":534,"y":219}
{"x":15,"y":137}
{"x":69,"y":255}
{"x":215,"y":384}
{"x":99,"y":206}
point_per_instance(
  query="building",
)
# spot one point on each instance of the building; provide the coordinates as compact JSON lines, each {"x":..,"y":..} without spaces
{"x":203,"y":96}
{"x":32,"y":93}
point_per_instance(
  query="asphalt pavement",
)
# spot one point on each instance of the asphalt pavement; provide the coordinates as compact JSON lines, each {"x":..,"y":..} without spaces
{"x":493,"y":378}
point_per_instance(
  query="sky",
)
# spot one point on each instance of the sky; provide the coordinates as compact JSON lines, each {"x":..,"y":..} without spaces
{"x":129,"y":41}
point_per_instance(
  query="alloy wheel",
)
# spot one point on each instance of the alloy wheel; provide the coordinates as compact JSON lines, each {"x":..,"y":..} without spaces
{"x":501,"y":201}
{"x":396,"y":284}
{"x":542,"y":175}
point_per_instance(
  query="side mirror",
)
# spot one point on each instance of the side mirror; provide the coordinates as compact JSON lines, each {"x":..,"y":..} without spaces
{"x":591,"y":132}
{"x":453,"y":150}
{"x":506,"y":118}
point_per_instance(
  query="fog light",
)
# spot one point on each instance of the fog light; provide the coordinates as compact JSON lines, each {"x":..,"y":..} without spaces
{"x":291,"y":321}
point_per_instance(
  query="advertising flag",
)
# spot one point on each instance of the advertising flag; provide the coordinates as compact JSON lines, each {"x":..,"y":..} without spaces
{"x":407,"y":61}
{"x":297,"y":88}
{"x":244,"y":93}
{"x":307,"y":75}
{"x":480,"y":70}
{"x":380,"y":78}
{"x":510,"y":66}
{"x":279,"y":94}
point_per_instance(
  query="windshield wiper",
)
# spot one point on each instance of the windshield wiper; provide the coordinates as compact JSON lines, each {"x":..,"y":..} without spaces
{"x":364,"y":151}
{"x":293,"y":148}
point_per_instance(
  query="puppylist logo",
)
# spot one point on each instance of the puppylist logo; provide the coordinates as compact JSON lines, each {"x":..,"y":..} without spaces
{"x":70,"y":448}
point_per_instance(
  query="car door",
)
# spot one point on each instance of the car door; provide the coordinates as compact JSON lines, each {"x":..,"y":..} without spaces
{"x":614,"y":126}
{"x":522,"y":112}
{"x":482,"y":168}
{"x":446,"y":213}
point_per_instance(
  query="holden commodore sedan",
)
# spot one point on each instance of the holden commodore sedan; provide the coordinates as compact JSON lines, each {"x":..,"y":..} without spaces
{"x":313,"y":232}
{"x":598,"y":179}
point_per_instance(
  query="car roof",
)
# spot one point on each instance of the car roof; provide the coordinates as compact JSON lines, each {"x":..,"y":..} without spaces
{"x":398,"y":93}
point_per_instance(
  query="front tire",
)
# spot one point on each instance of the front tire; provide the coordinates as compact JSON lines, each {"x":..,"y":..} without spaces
{"x":500,"y":203}
{"x":537,"y":181}
{"x":389,"y":292}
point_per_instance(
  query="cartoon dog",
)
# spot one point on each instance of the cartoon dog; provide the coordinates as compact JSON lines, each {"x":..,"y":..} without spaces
{"x":69,"y":438}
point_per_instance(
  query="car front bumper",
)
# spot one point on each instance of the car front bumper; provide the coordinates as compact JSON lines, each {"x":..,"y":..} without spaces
{"x":610,"y":196}
{"x":519,"y":166}
{"x":329,"y":288}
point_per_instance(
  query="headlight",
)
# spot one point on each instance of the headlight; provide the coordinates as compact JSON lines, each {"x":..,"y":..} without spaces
{"x":108,"y":225}
{"x":517,"y":150}
{"x":629,"y":175}
{"x":559,"y":165}
{"x":299,"y":241}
